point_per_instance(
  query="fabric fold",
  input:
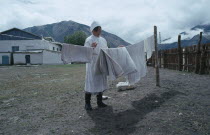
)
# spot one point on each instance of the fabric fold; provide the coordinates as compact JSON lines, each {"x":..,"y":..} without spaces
{"x":76,"y":53}
{"x":137,"y":54}
{"x":114,"y":62}
{"x":149,"y":46}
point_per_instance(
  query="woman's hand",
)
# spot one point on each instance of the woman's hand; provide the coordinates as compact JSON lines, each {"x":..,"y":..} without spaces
{"x":94,"y":44}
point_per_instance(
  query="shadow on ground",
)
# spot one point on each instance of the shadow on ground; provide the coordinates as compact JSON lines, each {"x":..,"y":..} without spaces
{"x":123,"y":123}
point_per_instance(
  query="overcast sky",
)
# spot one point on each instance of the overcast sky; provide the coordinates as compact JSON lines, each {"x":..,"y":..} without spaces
{"x":132,"y":20}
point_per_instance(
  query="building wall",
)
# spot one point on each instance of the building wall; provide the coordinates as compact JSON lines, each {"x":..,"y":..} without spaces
{"x":6,"y":45}
{"x":44,"y":57}
{"x":52,"y":57}
{"x":3,"y":54}
{"x":55,"y":47}
{"x":35,"y":58}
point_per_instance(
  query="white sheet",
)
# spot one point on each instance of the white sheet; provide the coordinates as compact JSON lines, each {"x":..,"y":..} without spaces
{"x":137,"y":54}
{"x":114,"y":62}
{"x":149,"y":46}
{"x":76,"y":53}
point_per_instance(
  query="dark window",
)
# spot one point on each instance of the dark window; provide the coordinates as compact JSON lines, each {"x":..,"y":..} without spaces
{"x":15,"y":48}
{"x":53,"y":48}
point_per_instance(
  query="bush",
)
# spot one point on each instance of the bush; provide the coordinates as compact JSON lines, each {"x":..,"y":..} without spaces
{"x":78,"y":38}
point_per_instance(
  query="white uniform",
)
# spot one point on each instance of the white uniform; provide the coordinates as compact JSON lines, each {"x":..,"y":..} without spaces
{"x":95,"y":83}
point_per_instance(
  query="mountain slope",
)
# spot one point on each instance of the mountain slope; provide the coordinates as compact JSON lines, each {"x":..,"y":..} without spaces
{"x":190,"y":40}
{"x":61,"y":29}
{"x":184,"y":43}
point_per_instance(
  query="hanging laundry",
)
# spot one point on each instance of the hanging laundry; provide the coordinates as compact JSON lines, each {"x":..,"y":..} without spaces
{"x":114,"y":62}
{"x":137,"y":54}
{"x":149,"y":46}
{"x":76,"y":53}
{"x":129,"y":61}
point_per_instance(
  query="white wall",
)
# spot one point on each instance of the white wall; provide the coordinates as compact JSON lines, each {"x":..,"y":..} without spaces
{"x":52,"y":57}
{"x":35,"y":58}
{"x":6,"y":45}
{"x":2,"y":54}
{"x":55,"y":47}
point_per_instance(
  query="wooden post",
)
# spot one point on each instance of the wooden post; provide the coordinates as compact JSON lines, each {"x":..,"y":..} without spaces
{"x":187,"y":57}
{"x":153,"y":60}
{"x":164,"y":59}
{"x":179,"y":54}
{"x":146,"y":58}
{"x":202,"y":61}
{"x":197,"y":64}
{"x":156,"y":57}
{"x":160,"y":56}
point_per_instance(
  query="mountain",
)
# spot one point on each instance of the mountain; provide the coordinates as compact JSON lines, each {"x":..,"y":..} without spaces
{"x":205,"y":27}
{"x":184,"y":43}
{"x":188,"y":41}
{"x":59,"y":30}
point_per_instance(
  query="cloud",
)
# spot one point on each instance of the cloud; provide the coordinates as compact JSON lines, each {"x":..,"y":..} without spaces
{"x":131,"y":20}
{"x":188,"y":35}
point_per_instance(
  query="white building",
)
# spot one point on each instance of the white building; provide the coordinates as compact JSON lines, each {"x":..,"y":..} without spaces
{"x":20,"y":47}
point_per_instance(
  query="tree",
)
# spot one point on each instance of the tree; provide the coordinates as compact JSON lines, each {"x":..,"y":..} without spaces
{"x":78,"y":38}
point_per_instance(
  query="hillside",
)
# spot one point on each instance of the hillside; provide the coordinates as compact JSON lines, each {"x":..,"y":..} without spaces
{"x":193,"y":41}
{"x":61,"y":29}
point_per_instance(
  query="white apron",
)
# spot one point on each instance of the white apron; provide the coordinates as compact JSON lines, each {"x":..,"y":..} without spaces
{"x":95,"y":83}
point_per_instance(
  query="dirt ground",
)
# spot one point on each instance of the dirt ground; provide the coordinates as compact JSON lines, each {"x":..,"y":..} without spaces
{"x":47,"y":100}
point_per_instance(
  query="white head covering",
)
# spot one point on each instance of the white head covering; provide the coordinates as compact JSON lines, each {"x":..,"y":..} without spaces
{"x":93,"y":25}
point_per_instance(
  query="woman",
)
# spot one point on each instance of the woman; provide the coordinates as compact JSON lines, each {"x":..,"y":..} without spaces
{"x":95,"y":84}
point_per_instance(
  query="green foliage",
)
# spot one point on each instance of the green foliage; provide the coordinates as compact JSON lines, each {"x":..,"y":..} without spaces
{"x":78,"y":38}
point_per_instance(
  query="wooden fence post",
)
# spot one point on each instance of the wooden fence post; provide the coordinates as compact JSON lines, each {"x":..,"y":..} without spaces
{"x":156,"y":57}
{"x":197,"y":64}
{"x":153,"y":60}
{"x":160,"y":56}
{"x":202,"y":60}
{"x":164,"y":59}
{"x":185,"y":59}
{"x":179,"y":54}
{"x":187,"y":52}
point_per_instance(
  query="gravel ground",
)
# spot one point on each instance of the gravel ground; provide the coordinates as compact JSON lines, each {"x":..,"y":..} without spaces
{"x":46,"y":100}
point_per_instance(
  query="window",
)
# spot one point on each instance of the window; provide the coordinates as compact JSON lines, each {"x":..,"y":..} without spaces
{"x":15,"y":48}
{"x":53,"y":48}
{"x":57,"y":49}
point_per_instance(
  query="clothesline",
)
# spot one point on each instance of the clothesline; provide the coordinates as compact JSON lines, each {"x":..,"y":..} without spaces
{"x":128,"y":61}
